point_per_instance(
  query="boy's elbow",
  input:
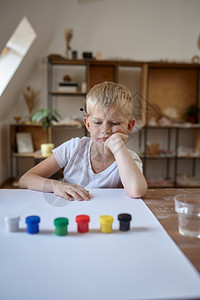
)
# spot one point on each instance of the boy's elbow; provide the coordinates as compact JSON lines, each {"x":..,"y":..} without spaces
{"x":137,"y":192}
{"x":22,"y":182}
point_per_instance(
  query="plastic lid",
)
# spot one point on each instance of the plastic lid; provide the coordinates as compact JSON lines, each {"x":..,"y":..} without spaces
{"x":12,"y":218}
{"x":105,"y":219}
{"x":32,"y":220}
{"x":82,"y":219}
{"x":61,"y":222}
{"x":124,"y":217}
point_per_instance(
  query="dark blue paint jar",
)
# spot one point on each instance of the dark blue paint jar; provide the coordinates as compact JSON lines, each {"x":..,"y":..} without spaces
{"x":33,"y":224}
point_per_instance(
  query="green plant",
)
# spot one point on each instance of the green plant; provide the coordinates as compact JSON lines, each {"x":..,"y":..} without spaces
{"x":46,"y":117}
{"x":192,"y":113}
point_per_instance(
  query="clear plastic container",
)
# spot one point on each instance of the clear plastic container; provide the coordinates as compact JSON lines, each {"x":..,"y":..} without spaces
{"x":187,"y":207}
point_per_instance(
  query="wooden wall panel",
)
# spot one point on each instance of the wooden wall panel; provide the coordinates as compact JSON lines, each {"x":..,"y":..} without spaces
{"x":100,"y":73}
{"x":172,"y":88}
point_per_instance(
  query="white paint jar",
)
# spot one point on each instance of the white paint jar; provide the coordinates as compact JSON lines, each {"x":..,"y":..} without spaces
{"x":12,"y":222}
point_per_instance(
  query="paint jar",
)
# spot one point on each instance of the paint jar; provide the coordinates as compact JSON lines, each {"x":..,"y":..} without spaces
{"x":106,"y":223}
{"x":33,"y":224}
{"x":46,"y":149}
{"x":124,"y":222}
{"x":83,"y":223}
{"x":12,"y":222}
{"x":61,"y":226}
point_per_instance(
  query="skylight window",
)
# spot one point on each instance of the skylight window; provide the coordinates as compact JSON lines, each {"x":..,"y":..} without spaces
{"x":14,"y":51}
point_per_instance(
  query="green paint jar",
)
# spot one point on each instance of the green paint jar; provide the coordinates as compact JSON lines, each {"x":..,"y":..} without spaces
{"x":61,"y":226}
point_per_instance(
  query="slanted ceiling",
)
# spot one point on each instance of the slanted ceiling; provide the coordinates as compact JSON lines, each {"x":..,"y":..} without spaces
{"x":42,"y":16}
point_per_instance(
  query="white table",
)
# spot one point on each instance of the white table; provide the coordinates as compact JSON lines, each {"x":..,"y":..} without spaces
{"x":143,"y":263}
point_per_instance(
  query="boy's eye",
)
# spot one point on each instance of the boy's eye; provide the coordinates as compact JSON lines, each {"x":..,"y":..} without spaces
{"x":110,"y":123}
{"x":115,"y":123}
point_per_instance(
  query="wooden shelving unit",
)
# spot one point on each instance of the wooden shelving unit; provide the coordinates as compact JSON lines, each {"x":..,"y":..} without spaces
{"x":38,"y":135}
{"x":162,"y":85}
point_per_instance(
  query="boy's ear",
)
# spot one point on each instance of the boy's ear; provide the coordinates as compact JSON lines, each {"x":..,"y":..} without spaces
{"x":86,"y":122}
{"x":131,"y":124}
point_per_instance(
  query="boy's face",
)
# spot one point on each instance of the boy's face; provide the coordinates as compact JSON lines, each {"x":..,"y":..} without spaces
{"x":101,"y":126}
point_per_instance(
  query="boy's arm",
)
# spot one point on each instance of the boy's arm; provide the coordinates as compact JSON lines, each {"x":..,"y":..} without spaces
{"x":132,"y":178}
{"x":37,"y":179}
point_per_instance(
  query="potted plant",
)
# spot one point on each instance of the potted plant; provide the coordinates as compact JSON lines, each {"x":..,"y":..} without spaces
{"x":192,"y":113}
{"x":46,"y":118}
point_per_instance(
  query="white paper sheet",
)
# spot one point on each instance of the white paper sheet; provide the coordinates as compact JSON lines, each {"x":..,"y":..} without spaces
{"x":143,"y":263}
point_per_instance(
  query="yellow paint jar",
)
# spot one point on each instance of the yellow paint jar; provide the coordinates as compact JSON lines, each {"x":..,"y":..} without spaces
{"x":46,"y":149}
{"x":106,"y":223}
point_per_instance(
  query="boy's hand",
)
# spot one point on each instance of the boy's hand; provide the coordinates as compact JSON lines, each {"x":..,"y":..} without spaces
{"x":115,"y":142}
{"x":70,"y":191}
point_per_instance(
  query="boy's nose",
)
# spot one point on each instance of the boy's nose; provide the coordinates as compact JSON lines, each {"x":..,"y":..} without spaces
{"x":105,"y":128}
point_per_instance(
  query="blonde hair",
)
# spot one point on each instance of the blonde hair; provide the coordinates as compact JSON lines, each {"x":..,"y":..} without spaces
{"x":110,"y":96}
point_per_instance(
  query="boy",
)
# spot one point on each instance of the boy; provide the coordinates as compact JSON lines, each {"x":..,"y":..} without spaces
{"x":101,"y":161}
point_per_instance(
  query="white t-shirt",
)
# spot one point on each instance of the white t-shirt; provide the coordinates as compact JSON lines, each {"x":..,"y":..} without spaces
{"x":74,"y":157}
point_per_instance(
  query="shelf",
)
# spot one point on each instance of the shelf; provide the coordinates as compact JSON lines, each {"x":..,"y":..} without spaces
{"x":157,"y":156}
{"x":188,"y":186}
{"x":167,"y":156}
{"x":175,"y":126}
{"x":83,"y":62}
{"x":189,"y":157}
{"x":28,"y":155}
{"x":61,"y":60}
{"x":64,"y":61}
{"x":23,"y":155}
{"x":57,"y":93}
{"x":28,"y":124}
{"x":54,"y":126}
{"x":173,"y":64}
{"x":68,"y":127}
{"x":32,"y":154}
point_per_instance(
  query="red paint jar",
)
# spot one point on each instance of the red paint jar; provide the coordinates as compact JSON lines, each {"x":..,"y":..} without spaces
{"x":83,"y":223}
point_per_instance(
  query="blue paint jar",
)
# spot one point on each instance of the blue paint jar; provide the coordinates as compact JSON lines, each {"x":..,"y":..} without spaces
{"x":33,"y":224}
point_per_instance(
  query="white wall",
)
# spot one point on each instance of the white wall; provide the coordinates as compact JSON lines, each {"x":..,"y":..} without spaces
{"x":133,"y":29}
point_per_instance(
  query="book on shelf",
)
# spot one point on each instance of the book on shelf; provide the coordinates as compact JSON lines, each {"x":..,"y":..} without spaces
{"x":70,"y":86}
